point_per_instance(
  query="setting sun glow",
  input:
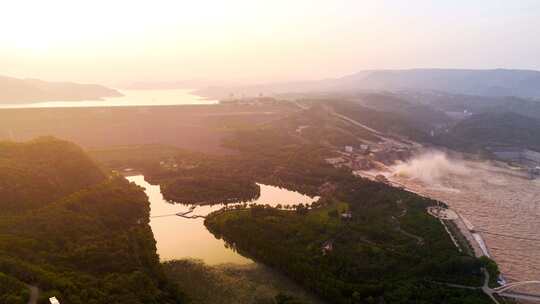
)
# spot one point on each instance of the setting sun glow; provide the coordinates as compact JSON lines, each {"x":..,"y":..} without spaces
{"x":175,"y":40}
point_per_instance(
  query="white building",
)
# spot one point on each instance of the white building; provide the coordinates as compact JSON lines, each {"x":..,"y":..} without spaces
{"x":334,"y":161}
{"x":327,"y":247}
{"x":54,"y":300}
{"x":346,"y":215}
{"x":349,"y":149}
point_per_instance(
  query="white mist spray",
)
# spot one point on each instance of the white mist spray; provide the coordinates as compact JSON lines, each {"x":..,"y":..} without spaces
{"x":431,"y":168}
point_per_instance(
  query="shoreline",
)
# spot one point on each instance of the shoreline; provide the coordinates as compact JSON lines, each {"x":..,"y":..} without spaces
{"x":464,"y":226}
{"x":125,"y":99}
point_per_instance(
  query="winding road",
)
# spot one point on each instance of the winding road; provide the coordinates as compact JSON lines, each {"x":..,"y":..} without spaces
{"x":34,"y":294}
{"x":419,"y":239}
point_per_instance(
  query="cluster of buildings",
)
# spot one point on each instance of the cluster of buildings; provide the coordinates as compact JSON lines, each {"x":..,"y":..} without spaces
{"x":249,"y":101}
{"x":169,"y":164}
{"x":172,"y":164}
{"x":459,"y":115}
{"x":364,"y":157}
{"x":350,"y":157}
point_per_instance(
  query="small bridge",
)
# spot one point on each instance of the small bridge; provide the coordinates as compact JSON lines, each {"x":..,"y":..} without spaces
{"x":505,"y":291}
{"x":181,"y":214}
{"x":509,"y":286}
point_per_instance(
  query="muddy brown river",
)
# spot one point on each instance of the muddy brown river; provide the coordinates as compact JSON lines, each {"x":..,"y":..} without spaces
{"x":501,"y":203}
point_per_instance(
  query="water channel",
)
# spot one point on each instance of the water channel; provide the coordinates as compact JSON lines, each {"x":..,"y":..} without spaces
{"x":179,"y":238}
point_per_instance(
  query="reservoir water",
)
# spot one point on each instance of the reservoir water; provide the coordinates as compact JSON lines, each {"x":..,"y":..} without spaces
{"x":179,"y":238}
{"x":130,"y":98}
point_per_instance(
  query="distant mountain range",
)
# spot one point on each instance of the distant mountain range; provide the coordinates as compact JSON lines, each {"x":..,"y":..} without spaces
{"x":499,"y":82}
{"x":496,"y":82}
{"x":14,"y":90}
{"x":461,"y":122}
{"x":493,"y":129}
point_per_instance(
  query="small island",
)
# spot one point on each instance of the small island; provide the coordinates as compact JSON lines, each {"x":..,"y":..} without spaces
{"x":210,"y":190}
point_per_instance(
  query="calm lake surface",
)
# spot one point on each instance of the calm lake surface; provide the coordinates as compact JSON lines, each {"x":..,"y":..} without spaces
{"x":130,"y":98}
{"x":179,"y":238}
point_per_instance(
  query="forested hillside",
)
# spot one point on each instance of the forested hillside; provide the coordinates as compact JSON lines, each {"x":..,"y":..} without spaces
{"x":494,"y":128}
{"x":408,"y":123}
{"x":389,"y":250}
{"x":42,"y":170}
{"x":14,"y":90}
{"x":75,"y":233}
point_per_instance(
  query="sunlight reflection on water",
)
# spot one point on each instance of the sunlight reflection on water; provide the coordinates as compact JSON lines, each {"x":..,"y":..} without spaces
{"x":179,"y":238}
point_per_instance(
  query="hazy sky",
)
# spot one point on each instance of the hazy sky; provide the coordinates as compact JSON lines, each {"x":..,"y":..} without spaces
{"x":117,"y":41}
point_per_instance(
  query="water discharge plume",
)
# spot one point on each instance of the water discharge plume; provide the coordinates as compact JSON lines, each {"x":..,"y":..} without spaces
{"x":431,"y":167}
{"x":501,"y":202}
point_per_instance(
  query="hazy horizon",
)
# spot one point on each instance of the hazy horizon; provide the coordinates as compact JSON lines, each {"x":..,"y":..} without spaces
{"x":269,"y":151}
{"x":117,"y":43}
